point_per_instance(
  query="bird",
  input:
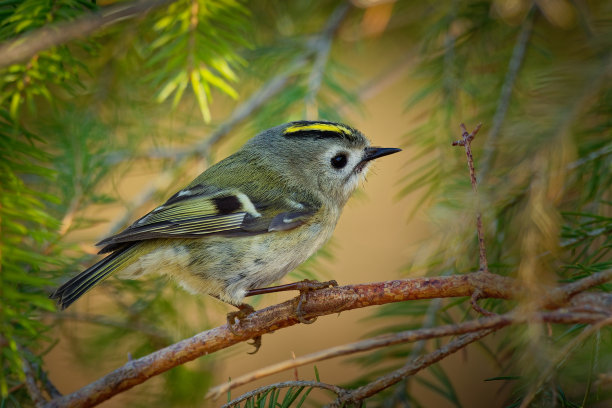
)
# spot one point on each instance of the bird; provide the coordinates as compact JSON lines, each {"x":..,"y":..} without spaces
{"x":246,"y":221}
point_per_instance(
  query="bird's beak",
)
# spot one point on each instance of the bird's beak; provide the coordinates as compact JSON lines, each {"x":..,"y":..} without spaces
{"x":371,"y":153}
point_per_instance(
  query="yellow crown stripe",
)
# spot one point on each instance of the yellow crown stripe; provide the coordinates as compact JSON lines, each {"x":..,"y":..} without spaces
{"x":320,"y":127}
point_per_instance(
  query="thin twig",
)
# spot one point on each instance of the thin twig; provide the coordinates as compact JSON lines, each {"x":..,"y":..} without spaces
{"x":495,"y":322}
{"x":106,"y":321}
{"x":411,"y":368}
{"x":28,"y":45}
{"x":560,"y":357}
{"x":313,"y":384}
{"x":514,"y":65}
{"x":466,"y":141}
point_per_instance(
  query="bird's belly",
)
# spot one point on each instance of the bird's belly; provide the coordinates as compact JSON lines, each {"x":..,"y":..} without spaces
{"x":227,"y":267}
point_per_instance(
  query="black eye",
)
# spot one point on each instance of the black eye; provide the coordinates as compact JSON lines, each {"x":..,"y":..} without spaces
{"x":339,"y":161}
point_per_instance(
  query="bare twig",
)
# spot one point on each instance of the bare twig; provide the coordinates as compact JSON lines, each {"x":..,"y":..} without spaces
{"x":516,"y":60}
{"x":466,"y":140}
{"x":30,"y":44}
{"x":474,"y":302}
{"x":411,"y":368}
{"x":286,"y":384}
{"x":495,"y":322}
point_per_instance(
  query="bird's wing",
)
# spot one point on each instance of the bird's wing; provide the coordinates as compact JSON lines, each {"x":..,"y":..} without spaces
{"x":202,"y":210}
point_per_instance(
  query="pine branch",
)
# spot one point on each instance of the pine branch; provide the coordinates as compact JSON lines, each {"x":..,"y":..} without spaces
{"x":495,"y":322}
{"x":516,"y":61}
{"x":286,"y":384}
{"x":319,"y":303}
{"x":28,"y":45}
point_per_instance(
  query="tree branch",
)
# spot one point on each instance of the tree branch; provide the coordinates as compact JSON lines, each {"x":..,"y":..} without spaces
{"x":30,"y":44}
{"x":516,"y":60}
{"x":319,"y":303}
{"x":286,"y":384}
{"x":408,"y":336}
{"x":411,"y":368}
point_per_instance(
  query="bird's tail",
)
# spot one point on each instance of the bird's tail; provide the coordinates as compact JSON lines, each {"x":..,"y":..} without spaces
{"x":84,"y":281}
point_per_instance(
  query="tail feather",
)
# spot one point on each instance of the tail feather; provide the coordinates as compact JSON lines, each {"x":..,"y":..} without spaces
{"x":84,"y":281}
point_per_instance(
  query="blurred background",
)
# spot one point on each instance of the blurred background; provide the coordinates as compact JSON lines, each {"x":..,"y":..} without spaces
{"x":98,"y":130}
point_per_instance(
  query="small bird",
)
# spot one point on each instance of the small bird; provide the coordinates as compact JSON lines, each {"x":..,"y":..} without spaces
{"x":245,"y":222}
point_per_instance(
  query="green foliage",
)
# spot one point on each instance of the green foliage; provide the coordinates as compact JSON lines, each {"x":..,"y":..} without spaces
{"x":195,"y":43}
{"x":26,"y":229}
{"x":548,"y":170}
{"x":544,"y":188}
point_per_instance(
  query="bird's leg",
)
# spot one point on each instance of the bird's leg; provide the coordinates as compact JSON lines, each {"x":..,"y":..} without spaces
{"x":243,"y":311}
{"x":304,"y":287}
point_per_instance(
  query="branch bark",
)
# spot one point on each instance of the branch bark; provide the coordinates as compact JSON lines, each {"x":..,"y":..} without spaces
{"x":32,"y":43}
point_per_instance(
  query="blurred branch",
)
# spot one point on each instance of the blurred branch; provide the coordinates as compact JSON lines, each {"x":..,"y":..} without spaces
{"x":562,"y":356}
{"x":516,"y":60}
{"x":319,"y":303}
{"x":322,"y":46}
{"x":105,"y":321}
{"x":408,"y":336}
{"x":28,"y":45}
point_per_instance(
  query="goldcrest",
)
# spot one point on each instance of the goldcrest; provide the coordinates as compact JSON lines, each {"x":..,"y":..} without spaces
{"x":245,"y":222}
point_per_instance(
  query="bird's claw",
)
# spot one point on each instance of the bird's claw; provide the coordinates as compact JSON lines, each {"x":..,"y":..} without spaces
{"x":304,"y":287}
{"x":243,"y":311}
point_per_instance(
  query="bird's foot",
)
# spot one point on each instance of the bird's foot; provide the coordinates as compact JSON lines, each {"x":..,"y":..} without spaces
{"x":243,"y":311}
{"x":305,"y":287}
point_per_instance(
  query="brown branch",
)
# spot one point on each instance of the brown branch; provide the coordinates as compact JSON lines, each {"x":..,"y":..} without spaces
{"x":28,"y":45}
{"x":495,"y":322}
{"x":411,"y":368}
{"x":319,"y":303}
{"x":286,"y":384}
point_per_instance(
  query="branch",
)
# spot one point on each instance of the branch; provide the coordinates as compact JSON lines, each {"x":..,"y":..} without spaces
{"x":409,"y":336}
{"x":561,"y":356}
{"x":466,"y":141}
{"x":30,"y":44}
{"x":516,"y":60}
{"x":322,"y":46}
{"x":410,"y":369}
{"x":319,"y":303}
{"x":286,"y":384}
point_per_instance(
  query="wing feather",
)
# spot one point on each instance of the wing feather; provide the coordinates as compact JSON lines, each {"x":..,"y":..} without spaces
{"x":202,"y":210}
